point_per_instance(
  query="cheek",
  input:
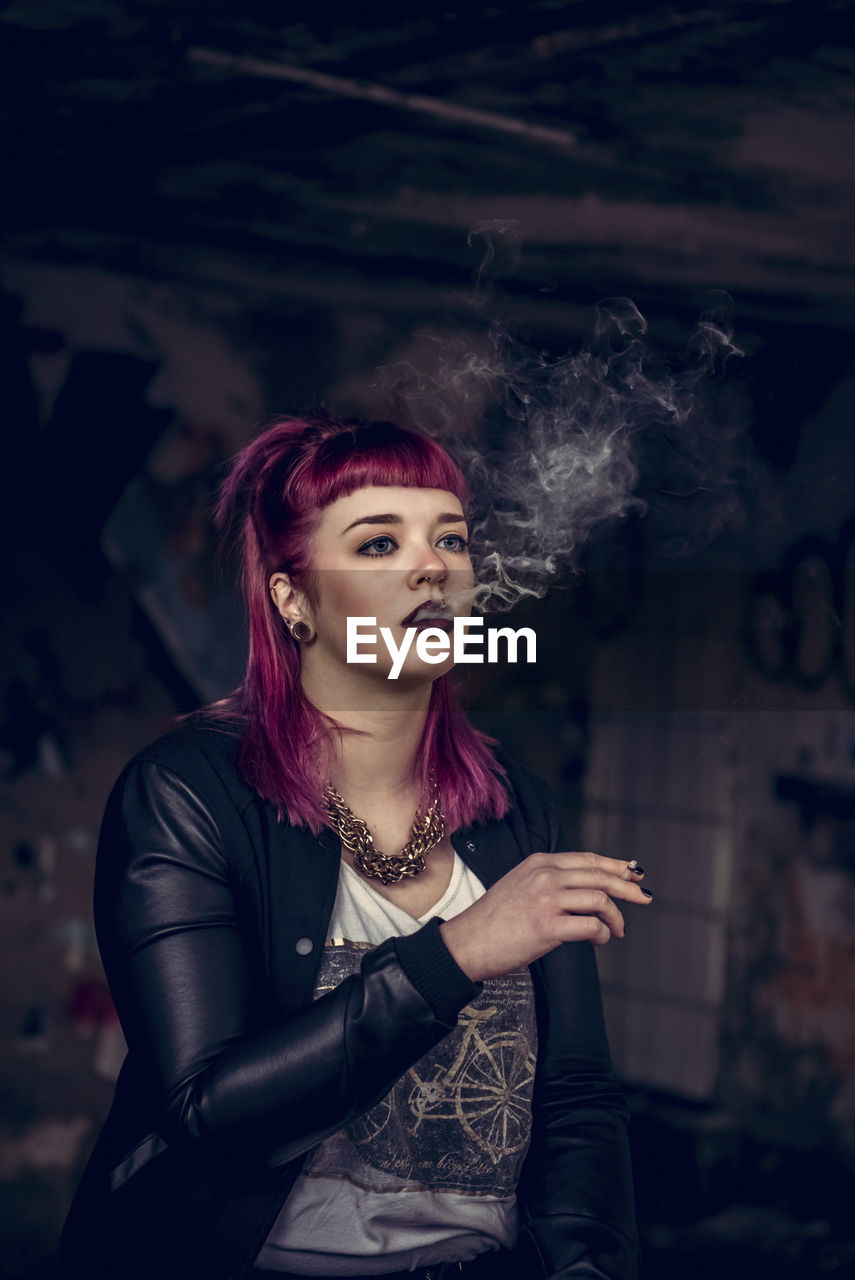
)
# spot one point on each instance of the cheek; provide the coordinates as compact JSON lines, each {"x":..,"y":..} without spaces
{"x":368,"y":593}
{"x":355,"y":594}
{"x":339,"y":593}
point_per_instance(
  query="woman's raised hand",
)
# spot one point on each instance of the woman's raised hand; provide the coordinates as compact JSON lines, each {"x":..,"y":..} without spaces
{"x":548,"y":899}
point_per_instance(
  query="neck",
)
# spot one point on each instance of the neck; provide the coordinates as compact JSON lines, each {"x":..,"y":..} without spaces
{"x":378,"y":761}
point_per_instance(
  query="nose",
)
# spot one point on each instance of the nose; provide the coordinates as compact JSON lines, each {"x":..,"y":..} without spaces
{"x":431,"y":569}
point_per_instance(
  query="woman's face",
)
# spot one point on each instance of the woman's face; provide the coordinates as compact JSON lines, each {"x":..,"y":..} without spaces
{"x":382,"y":552}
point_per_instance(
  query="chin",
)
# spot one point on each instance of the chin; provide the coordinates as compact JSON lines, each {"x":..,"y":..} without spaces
{"x":417,"y":672}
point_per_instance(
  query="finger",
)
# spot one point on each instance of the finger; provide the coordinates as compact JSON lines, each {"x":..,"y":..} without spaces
{"x":629,"y":890}
{"x":586,"y":928}
{"x":596,"y":862}
{"x":593,"y":902}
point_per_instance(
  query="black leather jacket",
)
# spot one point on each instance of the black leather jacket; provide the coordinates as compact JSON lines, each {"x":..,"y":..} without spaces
{"x":211,"y":919}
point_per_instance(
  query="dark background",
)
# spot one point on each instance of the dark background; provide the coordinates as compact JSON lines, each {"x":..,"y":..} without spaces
{"x":213,"y":213}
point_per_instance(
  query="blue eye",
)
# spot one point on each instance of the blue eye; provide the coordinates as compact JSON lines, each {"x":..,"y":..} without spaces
{"x":460,"y":542}
{"x":384,"y":545}
{"x":365,"y":549}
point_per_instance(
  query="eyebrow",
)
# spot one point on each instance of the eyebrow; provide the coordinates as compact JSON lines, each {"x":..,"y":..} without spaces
{"x":447,"y":517}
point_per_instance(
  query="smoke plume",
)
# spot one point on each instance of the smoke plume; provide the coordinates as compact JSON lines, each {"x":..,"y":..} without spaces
{"x":556,"y":447}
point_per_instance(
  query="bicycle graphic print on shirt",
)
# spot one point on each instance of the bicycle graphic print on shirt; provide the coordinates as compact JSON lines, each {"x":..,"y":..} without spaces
{"x":459,"y":1119}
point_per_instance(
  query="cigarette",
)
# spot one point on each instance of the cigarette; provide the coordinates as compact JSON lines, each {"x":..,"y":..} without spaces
{"x":630,"y":869}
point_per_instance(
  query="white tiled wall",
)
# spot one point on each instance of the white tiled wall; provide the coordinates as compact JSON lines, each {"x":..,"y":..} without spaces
{"x":658,"y":789}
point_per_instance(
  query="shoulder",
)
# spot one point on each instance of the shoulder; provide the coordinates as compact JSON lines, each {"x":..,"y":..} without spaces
{"x":196,"y":749}
{"x":181,"y":793}
{"x":200,"y":756}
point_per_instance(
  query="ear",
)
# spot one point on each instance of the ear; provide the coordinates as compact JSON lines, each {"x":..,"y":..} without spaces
{"x":290,"y":603}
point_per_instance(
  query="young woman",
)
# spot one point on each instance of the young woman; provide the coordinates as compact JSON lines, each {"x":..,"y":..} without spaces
{"x":350,"y":953}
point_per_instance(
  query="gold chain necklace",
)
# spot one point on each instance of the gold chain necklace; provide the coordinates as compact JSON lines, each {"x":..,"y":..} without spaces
{"x":427,"y":830}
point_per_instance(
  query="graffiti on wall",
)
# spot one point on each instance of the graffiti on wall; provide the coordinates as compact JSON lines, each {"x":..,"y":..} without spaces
{"x":800,"y":619}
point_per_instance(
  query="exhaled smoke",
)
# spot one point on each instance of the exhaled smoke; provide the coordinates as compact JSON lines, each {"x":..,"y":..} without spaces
{"x":555,"y":447}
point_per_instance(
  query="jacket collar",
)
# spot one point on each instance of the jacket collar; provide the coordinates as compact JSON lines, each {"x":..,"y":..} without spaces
{"x":490,"y":849}
{"x":303,"y":871}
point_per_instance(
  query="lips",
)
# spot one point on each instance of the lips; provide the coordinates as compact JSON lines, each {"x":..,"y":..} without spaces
{"x":429,"y":613}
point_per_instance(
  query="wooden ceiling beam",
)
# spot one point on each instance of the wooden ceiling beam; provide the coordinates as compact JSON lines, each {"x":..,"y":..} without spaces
{"x":457,"y":113}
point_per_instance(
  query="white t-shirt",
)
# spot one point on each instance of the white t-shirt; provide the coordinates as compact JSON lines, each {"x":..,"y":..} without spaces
{"x":429,"y":1174}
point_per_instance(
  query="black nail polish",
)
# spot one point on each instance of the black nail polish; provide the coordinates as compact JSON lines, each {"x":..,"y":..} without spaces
{"x":646,"y":892}
{"x":637,"y":870}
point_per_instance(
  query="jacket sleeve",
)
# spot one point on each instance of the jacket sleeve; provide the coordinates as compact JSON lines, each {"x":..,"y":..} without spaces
{"x":190,"y":991}
{"x":577,"y":1214}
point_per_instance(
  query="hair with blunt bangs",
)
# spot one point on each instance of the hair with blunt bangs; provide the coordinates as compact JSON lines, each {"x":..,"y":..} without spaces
{"x":277,"y":487}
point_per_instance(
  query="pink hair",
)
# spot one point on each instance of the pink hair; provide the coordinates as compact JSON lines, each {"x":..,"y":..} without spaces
{"x":277,"y":487}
